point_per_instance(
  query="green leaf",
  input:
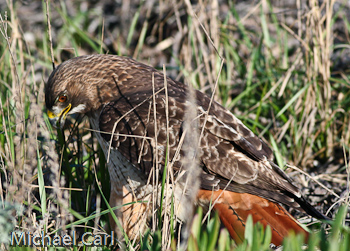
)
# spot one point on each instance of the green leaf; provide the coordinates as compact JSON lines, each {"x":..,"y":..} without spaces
{"x":213,"y":232}
{"x":249,"y":230}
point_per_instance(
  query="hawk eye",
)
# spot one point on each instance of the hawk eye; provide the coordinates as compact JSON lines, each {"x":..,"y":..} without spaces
{"x":62,"y":98}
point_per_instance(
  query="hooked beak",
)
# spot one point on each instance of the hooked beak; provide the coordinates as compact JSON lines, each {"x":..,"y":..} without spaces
{"x":58,"y":120}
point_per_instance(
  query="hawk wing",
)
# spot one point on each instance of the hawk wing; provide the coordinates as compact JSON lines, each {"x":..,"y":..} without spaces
{"x":232,"y":156}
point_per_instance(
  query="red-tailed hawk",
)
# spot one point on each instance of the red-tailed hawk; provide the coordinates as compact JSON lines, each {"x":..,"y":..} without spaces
{"x":126,"y":99}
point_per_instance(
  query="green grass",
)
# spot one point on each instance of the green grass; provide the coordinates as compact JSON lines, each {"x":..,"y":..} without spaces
{"x":292,"y":96}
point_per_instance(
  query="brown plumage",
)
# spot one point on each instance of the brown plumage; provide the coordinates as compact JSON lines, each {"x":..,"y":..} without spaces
{"x":234,"y":209}
{"x":116,"y":94}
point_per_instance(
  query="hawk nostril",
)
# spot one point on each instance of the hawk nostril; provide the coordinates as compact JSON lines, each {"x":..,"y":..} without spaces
{"x":50,"y":114}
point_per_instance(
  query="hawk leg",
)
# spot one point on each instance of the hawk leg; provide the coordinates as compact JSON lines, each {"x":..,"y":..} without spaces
{"x":132,"y":214}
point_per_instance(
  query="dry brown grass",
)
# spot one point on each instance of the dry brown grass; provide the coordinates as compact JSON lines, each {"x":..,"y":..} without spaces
{"x":29,"y":159}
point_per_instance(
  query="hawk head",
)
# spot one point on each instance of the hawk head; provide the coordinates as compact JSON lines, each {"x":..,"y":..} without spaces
{"x":79,"y":86}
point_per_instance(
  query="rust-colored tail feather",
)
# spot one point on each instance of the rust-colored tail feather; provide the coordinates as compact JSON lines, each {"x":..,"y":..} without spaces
{"x":234,"y":209}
